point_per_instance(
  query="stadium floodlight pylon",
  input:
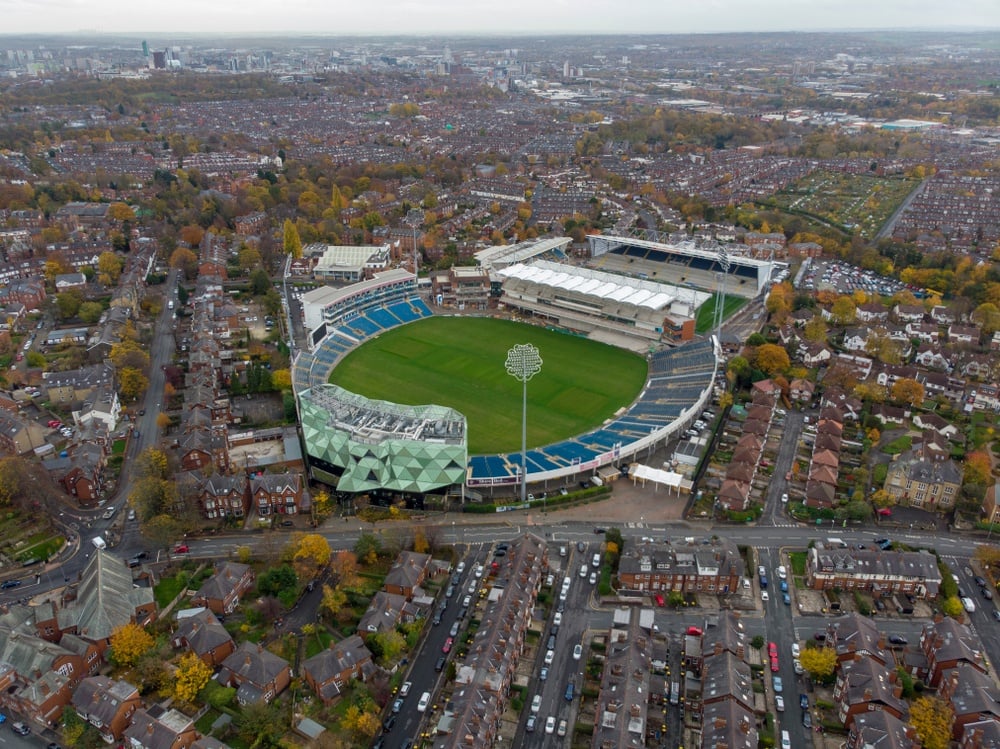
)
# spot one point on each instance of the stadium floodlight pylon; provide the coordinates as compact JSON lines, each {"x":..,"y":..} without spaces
{"x":523,"y":363}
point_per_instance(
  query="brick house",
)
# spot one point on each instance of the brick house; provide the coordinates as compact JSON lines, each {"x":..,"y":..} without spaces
{"x":915,"y":479}
{"x":277,"y":493}
{"x":221,"y":592}
{"x":258,"y":674}
{"x":880,"y":729}
{"x":972,"y":694}
{"x":681,"y":566}
{"x":855,"y":637}
{"x":882,"y":573}
{"x":385,"y":611}
{"x":946,"y":644}
{"x":107,"y":705}
{"x":329,"y":671}
{"x":37,"y":678}
{"x":202,"y":634}
{"x":864,"y":685}
{"x":407,"y":573}
{"x":156,"y":727}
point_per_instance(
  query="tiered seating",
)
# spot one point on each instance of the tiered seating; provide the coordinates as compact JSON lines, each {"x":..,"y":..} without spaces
{"x":383,"y":318}
{"x":363,"y":327}
{"x":420,"y":307}
{"x":403,"y":312}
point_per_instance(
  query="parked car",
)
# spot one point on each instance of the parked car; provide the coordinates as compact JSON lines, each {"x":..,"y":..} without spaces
{"x":577,"y":651}
{"x":563,"y":727}
{"x":659,"y":600}
{"x":898,"y":640}
{"x":776,"y":683}
{"x":779,"y":703}
{"x":397,"y":704}
{"x":804,"y":701}
{"x":21,"y":729}
{"x":405,"y":689}
{"x":529,"y":725}
{"x":6,"y":585}
{"x":536,"y":703}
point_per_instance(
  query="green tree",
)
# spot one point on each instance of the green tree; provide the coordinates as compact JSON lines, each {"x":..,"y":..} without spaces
{"x":249,"y":258}
{"x":276,"y":580}
{"x":152,"y":462}
{"x":368,"y":547}
{"x":90,"y":312}
{"x":292,"y":242}
{"x":161,"y":530}
{"x":260,"y":282}
{"x":844,"y":310}
{"x":73,"y":726}
{"x":386,"y":646}
{"x":68,"y":303}
{"x":952,"y":606}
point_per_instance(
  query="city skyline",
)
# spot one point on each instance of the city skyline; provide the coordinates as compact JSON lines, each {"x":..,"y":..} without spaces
{"x":519,"y":17}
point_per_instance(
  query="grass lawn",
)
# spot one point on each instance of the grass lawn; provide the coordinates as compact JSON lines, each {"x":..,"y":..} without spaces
{"x":706,"y":313}
{"x":459,"y":362}
{"x":797,"y":559}
{"x":118,"y":447}
{"x":168,"y":588}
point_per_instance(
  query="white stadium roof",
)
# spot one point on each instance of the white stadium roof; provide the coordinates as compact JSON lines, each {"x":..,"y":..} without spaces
{"x":592,"y":283}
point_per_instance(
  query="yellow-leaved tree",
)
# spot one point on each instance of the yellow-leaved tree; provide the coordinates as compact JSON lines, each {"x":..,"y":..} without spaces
{"x":819,"y":662}
{"x":312,"y":553}
{"x":364,"y":724}
{"x":932,"y":718}
{"x":191,"y":677}
{"x":129,"y":643}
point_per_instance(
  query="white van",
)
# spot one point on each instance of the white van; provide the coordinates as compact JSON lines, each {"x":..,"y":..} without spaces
{"x":425,"y":700}
{"x":99,"y":542}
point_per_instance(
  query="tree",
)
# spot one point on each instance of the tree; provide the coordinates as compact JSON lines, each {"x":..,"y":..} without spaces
{"x":281,"y":379}
{"x":978,"y":469}
{"x":121,"y":212}
{"x":185,"y":261}
{"x":987,"y":316}
{"x":292,"y":243}
{"x":152,"y":462}
{"x":815,"y":329}
{"x":161,"y":530}
{"x":987,"y":555}
{"x":90,"y":312}
{"x":772,"y":358}
{"x":364,"y":724}
{"x":68,"y":303}
{"x":249,"y":259}
{"x":907,"y":390}
{"x":129,"y":643}
{"x":344,"y":569}
{"x":73,"y":726}
{"x":420,"y":544}
{"x":844,"y":311}
{"x":312,"y":553}
{"x":132,"y":383}
{"x":277,"y":579}
{"x":333,"y":602}
{"x":368,"y":547}
{"x":109,"y":267}
{"x":952,"y":606}
{"x":258,"y":724}
{"x":725,"y":400}
{"x":932,"y":718}
{"x":162,"y":421}
{"x":191,"y":676}
{"x":128,"y":353}
{"x":386,"y":646}
{"x":819,"y":662}
{"x":260,"y":282}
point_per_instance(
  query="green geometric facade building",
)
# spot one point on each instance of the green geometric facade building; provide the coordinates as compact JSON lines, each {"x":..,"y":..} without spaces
{"x":360,"y":445}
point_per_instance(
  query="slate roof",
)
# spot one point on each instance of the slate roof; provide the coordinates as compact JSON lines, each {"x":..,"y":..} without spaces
{"x":106,"y":598}
{"x":101,"y":698}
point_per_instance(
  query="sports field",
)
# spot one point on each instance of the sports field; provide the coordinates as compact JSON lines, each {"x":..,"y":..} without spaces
{"x":459,"y":362}
{"x":706,"y":313}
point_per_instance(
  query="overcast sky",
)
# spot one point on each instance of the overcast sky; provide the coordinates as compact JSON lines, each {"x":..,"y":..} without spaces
{"x":535,"y":17}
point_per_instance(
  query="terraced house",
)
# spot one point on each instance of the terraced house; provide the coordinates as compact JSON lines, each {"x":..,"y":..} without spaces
{"x":711,"y":566}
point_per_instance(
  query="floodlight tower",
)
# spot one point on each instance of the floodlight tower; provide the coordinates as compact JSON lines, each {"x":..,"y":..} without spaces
{"x":523,"y":363}
{"x":414,"y":218}
{"x":720,"y":305}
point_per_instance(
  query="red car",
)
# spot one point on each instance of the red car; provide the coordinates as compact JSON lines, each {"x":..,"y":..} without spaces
{"x":772,"y":650}
{"x":446,"y":648}
{"x":884,"y":512}
{"x":774,"y":664}
{"x":181,"y":549}
{"x":694,"y":631}
{"x":659,"y":600}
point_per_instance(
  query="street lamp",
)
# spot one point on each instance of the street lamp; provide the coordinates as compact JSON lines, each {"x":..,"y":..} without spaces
{"x":523,"y":363}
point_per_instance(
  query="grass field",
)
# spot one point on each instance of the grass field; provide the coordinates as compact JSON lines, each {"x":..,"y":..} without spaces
{"x":706,"y":313}
{"x":459,"y":362}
